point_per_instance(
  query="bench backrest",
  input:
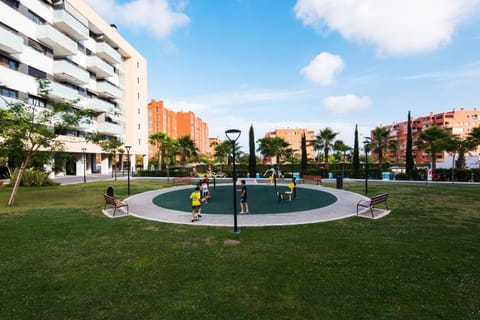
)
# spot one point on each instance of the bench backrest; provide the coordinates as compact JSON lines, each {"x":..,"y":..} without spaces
{"x":311,"y":177}
{"x":379,"y":198}
{"x":109,"y":199}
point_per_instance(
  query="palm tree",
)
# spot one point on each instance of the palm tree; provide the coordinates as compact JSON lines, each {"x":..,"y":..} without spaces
{"x":272,"y":147}
{"x":433,"y":140}
{"x":382,"y":142}
{"x":474,"y":136}
{"x":186,"y":148}
{"x":157,"y":140}
{"x":224,"y":149}
{"x":169,"y":147}
{"x":324,"y":140}
{"x":340,"y":146}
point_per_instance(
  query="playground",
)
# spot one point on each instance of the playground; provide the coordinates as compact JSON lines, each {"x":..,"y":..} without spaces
{"x":311,"y":204}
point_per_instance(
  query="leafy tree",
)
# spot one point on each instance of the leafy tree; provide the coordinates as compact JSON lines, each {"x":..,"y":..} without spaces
{"x":186,"y":148}
{"x":474,"y":137}
{"x":356,"y":155}
{"x":157,"y":140}
{"x":340,"y":146}
{"x":272,"y":147}
{"x":222,"y":150}
{"x":382,"y":142}
{"x":34,"y":129}
{"x":304,"y":161}
{"x":433,"y":140}
{"x":409,"y":163}
{"x":252,"y":160}
{"x":324,"y":140}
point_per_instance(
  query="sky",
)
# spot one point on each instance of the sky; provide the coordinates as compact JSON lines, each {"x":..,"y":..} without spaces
{"x":305,"y":64}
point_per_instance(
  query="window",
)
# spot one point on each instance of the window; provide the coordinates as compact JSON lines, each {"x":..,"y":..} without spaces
{"x":36,"y":73}
{"x":10,"y":63}
{"x":37,"y":101}
{"x":39,"y":47}
{"x":35,"y":17}
{"x":12,"y":3}
{"x":10,"y":93}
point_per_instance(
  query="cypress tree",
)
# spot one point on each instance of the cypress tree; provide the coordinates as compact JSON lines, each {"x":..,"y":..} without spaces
{"x":409,"y":164}
{"x":252,"y":160}
{"x":304,"y":154}
{"x":356,"y":156}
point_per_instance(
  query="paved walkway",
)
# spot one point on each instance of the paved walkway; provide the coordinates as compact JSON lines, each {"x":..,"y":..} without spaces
{"x":141,"y":206}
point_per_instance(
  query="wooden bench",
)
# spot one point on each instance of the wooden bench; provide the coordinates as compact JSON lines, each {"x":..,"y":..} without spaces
{"x":373,"y":201}
{"x":181,"y":179}
{"x":114,"y":202}
{"x":316,"y":179}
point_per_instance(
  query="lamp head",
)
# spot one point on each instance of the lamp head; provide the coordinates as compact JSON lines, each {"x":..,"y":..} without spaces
{"x":128,"y":148}
{"x":233,"y":134}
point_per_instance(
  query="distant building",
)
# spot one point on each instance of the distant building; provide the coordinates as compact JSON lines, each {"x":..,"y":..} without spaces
{"x":456,"y":122}
{"x":294,"y":138}
{"x":212,"y":143}
{"x":177,"y":124}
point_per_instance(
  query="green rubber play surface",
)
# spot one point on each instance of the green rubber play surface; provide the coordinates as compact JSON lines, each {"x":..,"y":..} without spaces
{"x":262,"y":199}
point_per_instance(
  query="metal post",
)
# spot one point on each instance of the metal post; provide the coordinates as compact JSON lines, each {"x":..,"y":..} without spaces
{"x":128,"y":173}
{"x":84,"y":165}
{"x":233,"y":135}
{"x":366,"y":144}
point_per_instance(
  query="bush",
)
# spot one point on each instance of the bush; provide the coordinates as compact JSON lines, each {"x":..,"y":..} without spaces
{"x":31,"y":178}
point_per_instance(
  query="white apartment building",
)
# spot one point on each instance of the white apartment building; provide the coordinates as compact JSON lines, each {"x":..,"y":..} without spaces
{"x":86,"y":59}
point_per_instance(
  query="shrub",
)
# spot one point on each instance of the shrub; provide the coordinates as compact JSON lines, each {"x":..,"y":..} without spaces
{"x":31,"y":177}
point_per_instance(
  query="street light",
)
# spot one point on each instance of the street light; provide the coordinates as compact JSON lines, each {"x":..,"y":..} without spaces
{"x":366,"y":145}
{"x":233,"y":135}
{"x":128,"y":173}
{"x":84,"y":165}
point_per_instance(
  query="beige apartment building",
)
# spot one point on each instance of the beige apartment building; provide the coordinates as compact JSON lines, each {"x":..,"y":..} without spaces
{"x":86,"y":60}
{"x":293,"y":136}
{"x":458,"y":122}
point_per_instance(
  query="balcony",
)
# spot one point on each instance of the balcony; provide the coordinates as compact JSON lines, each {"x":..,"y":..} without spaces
{"x":65,"y":70}
{"x":61,"y":91}
{"x":106,"y":89}
{"x":109,"y":128}
{"x":107,"y":53}
{"x":99,"y":67}
{"x":99,"y":105}
{"x":68,"y":24}
{"x":11,"y":42}
{"x":61,"y":45}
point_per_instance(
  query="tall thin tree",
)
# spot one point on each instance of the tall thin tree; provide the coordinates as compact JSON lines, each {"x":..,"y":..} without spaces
{"x":356,"y":156}
{"x":409,"y":163}
{"x":303,"y":165}
{"x":252,"y":160}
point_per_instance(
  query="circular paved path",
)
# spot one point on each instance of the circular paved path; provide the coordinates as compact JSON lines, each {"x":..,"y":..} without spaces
{"x":141,"y":206}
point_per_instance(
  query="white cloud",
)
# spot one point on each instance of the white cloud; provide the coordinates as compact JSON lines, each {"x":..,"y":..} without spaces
{"x":323,"y":68}
{"x":155,"y":16}
{"x":339,"y":105}
{"x":394,"y":27}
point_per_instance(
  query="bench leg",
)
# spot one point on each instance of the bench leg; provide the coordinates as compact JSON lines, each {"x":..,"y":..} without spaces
{"x":114,"y":211}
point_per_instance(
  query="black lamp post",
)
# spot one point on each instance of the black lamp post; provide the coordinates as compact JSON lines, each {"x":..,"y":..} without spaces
{"x":366,"y":145}
{"x":128,"y":173}
{"x":84,"y":165}
{"x":233,"y":135}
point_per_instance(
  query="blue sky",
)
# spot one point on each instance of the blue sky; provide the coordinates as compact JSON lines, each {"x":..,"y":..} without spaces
{"x":306,"y":63}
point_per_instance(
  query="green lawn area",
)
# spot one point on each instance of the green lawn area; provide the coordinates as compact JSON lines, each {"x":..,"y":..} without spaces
{"x":60,"y":258}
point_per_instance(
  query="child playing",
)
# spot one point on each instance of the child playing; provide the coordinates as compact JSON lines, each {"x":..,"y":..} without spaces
{"x":243,"y":199}
{"x":196,"y":204}
{"x":205,"y":192}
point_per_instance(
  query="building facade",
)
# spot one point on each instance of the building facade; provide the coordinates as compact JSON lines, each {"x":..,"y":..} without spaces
{"x":293,"y":136}
{"x":176,"y":125}
{"x":87,"y":61}
{"x":457,"y":122}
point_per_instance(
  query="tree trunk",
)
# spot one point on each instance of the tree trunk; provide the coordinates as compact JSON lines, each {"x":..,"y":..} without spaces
{"x":16,"y":185}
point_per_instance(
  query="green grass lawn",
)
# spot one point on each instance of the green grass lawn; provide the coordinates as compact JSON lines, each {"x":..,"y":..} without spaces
{"x":60,"y":258}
